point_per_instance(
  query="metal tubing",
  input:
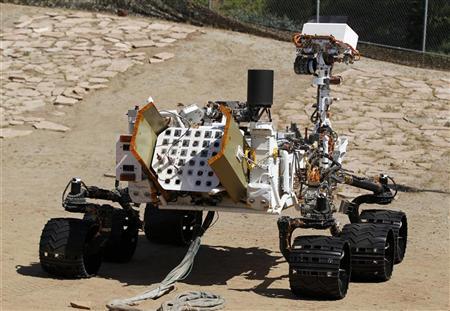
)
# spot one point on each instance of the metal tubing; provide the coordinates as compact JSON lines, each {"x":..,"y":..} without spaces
{"x":354,"y":181}
{"x":318,"y":11}
{"x":425,"y":22}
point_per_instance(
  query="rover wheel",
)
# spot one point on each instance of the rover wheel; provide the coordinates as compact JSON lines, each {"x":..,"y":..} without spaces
{"x":170,"y":227}
{"x":398,"y":222}
{"x":122,"y":241}
{"x":373,"y":250}
{"x":319,"y":267}
{"x":70,"y":248}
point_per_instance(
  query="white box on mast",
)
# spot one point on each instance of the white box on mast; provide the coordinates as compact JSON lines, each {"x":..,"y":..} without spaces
{"x":341,"y":32}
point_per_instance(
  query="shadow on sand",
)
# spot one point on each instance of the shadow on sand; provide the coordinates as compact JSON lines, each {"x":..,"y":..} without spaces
{"x":214,"y":265}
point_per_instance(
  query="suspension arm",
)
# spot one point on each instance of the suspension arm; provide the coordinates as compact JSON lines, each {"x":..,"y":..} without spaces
{"x":76,"y":202}
{"x":287,"y":225}
{"x":119,"y":195}
{"x":381,"y":194}
{"x":364,"y":183}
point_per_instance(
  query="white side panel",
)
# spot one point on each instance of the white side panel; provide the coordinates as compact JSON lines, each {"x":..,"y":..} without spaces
{"x":126,"y":163}
{"x":266,"y":172}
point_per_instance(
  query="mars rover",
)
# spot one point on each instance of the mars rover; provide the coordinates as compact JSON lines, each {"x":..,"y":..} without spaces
{"x":227,"y":156}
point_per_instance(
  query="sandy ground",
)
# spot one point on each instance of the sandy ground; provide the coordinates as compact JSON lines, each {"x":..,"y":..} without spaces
{"x":239,"y":258}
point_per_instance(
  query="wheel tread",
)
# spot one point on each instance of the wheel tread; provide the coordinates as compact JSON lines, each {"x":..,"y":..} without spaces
{"x":367,"y":242}
{"x":397,"y":220}
{"x":313,"y":265}
{"x":61,"y":240}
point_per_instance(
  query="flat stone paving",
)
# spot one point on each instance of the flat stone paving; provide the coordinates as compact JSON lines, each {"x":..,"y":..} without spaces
{"x":57,"y":58}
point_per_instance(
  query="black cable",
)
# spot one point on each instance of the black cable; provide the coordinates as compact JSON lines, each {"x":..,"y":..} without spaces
{"x":395,"y":186}
{"x":314,"y":116}
{"x":64,"y":192}
{"x":212,"y":225}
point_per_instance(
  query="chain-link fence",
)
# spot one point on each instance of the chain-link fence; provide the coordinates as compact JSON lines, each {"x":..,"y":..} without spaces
{"x":419,"y":25}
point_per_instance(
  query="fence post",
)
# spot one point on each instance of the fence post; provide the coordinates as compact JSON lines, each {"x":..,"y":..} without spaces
{"x":425,"y":22}
{"x":210,"y":4}
{"x":318,"y":11}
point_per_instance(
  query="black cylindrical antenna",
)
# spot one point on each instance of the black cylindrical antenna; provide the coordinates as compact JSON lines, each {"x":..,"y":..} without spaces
{"x":260,"y":88}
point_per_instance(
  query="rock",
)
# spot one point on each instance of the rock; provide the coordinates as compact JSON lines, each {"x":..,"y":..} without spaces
{"x":43,"y":29}
{"x":109,"y":39}
{"x":98,"y":80}
{"x":441,"y":95}
{"x":12,"y":85}
{"x":167,"y":40}
{"x":10,"y":133}
{"x":158,"y":26}
{"x":136,"y":56}
{"x":52,"y":14}
{"x":50,"y":126}
{"x":58,"y":113}
{"x":153,"y":60}
{"x":23,"y":18}
{"x":98,"y":86}
{"x":24,"y":24}
{"x":183,"y":29}
{"x":101,"y":62}
{"x":84,"y":85}
{"x":79,"y":90}
{"x":5,"y":44}
{"x":53,"y":34}
{"x":122,"y":46}
{"x":413,"y":84}
{"x":120,"y":65}
{"x":57,"y":91}
{"x":106,"y":74}
{"x":27,"y":93}
{"x":28,"y":119}
{"x":85,"y":305}
{"x":57,"y":56}
{"x":428,"y":127}
{"x":164,"y":56}
{"x":80,"y":30}
{"x":45,"y":85}
{"x":142,"y":44}
{"x":33,"y":104}
{"x":63,"y":100}
{"x":69,"y":92}
{"x":16,"y":122}
{"x":34,"y":79}
{"x":178,"y":35}
{"x":140,"y":36}
{"x":72,"y":77}
{"x":110,"y":175}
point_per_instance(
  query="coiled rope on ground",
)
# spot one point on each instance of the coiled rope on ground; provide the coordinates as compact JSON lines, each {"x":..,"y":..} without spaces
{"x":194,"y":300}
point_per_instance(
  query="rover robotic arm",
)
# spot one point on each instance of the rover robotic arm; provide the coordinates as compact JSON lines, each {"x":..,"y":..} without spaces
{"x":317,"y":52}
